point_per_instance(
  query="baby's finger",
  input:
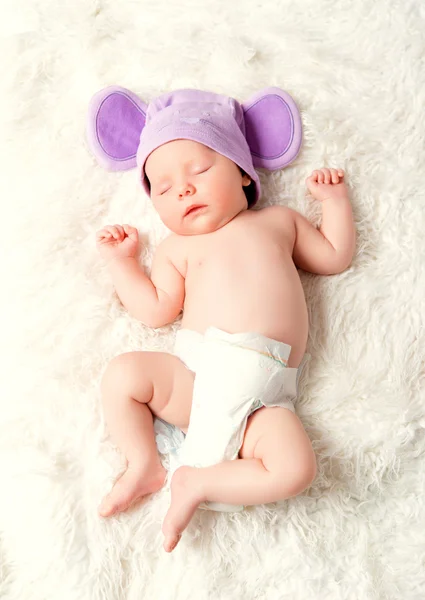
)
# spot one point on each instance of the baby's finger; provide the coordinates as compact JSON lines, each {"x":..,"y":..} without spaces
{"x":105,"y":240}
{"x":102,"y":233}
{"x":340,"y":172}
{"x":131,"y":232}
{"x":326,"y":175}
{"x":113,"y":231}
{"x":120,"y":230}
{"x":315,"y":175}
{"x":334,"y":176}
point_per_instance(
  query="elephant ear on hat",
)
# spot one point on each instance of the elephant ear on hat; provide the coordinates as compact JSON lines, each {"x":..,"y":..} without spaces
{"x":115,"y":121}
{"x":273,"y":128}
{"x":116,"y":118}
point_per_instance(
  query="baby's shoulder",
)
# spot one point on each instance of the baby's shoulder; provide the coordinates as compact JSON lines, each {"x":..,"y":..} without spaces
{"x":174,"y":249}
{"x":277,"y":215}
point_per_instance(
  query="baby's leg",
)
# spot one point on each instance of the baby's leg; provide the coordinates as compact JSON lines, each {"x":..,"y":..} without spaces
{"x":134,"y":386}
{"x":277,"y":462}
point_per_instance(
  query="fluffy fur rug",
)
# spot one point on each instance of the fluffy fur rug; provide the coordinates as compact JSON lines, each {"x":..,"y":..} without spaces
{"x":357,"y":72}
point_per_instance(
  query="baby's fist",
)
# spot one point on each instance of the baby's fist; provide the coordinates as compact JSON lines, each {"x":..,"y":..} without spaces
{"x":117,"y":241}
{"x":327,"y":183}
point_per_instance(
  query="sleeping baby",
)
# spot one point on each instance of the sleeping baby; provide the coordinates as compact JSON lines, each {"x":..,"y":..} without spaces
{"x":231,"y":383}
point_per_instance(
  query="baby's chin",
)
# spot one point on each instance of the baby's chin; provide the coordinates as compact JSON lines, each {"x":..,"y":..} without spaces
{"x":198,"y":226}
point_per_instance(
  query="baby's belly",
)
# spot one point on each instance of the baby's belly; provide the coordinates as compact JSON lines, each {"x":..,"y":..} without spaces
{"x":276,"y":310}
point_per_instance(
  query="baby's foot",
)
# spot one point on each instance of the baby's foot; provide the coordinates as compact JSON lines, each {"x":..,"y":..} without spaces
{"x":186,"y":495}
{"x":133,"y":484}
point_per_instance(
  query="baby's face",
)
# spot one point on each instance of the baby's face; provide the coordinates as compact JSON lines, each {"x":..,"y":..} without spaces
{"x":194,"y":189}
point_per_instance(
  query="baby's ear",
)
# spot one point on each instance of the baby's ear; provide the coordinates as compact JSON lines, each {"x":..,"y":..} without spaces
{"x":246,"y":180}
{"x":273,"y":128}
{"x":115,"y":120}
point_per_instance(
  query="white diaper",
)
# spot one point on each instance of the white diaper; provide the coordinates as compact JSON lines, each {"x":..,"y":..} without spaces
{"x":236,"y":374}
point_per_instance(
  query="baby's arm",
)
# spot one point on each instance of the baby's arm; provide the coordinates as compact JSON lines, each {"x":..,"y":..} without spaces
{"x":330,"y":249}
{"x":154,"y":301}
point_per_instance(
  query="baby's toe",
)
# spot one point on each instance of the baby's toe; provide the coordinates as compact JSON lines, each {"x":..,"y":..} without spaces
{"x":107,"y":508}
{"x":171,"y":542}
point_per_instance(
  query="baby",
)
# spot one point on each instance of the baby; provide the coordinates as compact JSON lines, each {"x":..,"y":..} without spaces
{"x":232,"y":382}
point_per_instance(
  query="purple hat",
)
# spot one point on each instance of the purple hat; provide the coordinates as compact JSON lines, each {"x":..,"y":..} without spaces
{"x":264,"y":132}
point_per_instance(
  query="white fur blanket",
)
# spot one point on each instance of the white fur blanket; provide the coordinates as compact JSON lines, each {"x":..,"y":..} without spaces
{"x":357,"y":72}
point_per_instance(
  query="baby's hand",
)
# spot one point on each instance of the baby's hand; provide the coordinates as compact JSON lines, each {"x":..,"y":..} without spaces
{"x":327,"y":183}
{"x":117,"y":241}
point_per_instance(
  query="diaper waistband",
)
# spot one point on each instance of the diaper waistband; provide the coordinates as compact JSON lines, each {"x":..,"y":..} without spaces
{"x":251,"y":340}
{"x":188,"y":342}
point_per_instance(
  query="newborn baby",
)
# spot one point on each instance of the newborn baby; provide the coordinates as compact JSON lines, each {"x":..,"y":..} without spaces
{"x":232,"y":382}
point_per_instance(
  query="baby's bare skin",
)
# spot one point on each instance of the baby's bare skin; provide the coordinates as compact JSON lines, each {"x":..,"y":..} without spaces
{"x":242,"y":278}
{"x":228,"y":267}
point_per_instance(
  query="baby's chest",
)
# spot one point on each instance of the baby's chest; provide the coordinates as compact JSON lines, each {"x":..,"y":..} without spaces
{"x":239,"y":255}
{"x":250,"y":243}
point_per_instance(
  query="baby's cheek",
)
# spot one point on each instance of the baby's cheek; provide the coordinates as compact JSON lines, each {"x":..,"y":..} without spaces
{"x":173,"y":219}
{"x":222,"y":193}
{"x":162,"y":212}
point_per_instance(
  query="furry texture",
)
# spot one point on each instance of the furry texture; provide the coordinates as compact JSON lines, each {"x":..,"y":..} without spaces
{"x":357,"y":73}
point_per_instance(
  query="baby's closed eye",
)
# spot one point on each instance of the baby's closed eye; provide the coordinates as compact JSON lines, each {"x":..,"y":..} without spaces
{"x":197,"y":172}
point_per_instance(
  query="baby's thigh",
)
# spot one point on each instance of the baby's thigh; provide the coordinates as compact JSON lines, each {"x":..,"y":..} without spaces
{"x":277,"y":437}
{"x":157,"y":379}
{"x":172,"y":389}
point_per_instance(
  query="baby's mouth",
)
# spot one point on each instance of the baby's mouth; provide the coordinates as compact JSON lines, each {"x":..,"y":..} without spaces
{"x":194,"y":208}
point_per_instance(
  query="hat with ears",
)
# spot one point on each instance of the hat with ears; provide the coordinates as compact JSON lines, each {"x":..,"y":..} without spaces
{"x":263,"y":132}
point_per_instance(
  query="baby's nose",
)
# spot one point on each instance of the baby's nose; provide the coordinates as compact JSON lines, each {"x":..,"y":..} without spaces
{"x":186,"y":190}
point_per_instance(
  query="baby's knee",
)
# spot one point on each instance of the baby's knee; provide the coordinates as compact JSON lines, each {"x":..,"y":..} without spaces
{"x":306,"y":474}
{"x":119,"y":371}
{"x":296,"y":479}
